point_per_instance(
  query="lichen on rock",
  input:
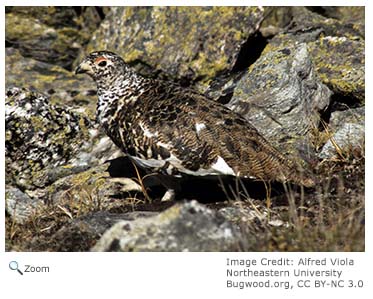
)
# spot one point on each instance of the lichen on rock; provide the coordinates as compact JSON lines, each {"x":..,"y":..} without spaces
{"x":192,"y":43}
{"x":282,"y":96}
{"x":187,"y":226}
{"x":43,"y":37}
{"x":51,"y":79}
{"x":40,"y":136}
{"x":337,"y":50}
{"x":343,"y":73}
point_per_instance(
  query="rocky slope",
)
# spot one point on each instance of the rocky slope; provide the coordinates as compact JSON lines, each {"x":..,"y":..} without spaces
{"x":297,"y":74}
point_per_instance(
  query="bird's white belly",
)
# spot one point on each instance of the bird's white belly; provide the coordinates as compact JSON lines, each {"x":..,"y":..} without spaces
{"x":149,"y":163}
{"x":220,"y":167}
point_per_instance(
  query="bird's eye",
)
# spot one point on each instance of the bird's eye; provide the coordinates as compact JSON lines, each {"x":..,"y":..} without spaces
{"x":102,"y":63}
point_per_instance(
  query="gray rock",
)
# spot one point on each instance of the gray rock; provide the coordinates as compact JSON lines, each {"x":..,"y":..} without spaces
{"x":19,"y":205}
{"x":188,"y":226}
{"x":348,"y":133}
{"x":277,"y":18}
{"x":282,"y":96}
{"x":349,"y":16}
{"x":336,"y":48}
{"x":340,"y":63}
{"x":83,"y":232}
{"x":309,"y":22}
{"x":45,"y":142}
{"x":192,"y":43}
{"x":243,"y":214}
{"x":94,"y":188}
{"x":39,"y":135}
{"x":61,"y":86}
{"x":307,"y":26}
{"x":47,"y":33}
{"x":287,"y":89}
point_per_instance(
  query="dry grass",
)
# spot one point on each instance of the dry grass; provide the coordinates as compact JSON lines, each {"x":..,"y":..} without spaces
{"x":329,"y":218}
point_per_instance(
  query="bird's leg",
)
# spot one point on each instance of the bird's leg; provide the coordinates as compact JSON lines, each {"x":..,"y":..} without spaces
{"x":169,"y":195}
{"x":172,"y":185}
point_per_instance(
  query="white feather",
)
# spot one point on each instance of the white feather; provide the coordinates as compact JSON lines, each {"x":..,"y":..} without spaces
{"x":148,"y":163}
{"x":199,"y":127}
{"x":222,"y":167}
{"x":165,"y":145}
{"x":147,"y":132}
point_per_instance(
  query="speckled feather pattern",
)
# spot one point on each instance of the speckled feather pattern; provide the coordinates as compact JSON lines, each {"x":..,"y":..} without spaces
{"x":174,"y":130}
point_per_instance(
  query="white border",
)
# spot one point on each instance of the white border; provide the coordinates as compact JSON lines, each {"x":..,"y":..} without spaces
{"x":166,"y":275}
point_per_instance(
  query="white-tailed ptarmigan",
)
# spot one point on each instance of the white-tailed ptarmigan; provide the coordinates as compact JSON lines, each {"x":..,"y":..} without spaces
{"x":172,"y":130}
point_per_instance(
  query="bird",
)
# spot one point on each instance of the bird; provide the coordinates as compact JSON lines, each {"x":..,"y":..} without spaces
{"x":175,"y":131}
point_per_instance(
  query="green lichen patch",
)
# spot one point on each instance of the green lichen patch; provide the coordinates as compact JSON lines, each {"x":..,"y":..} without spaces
{"x":41,"y":137}
{"x":35,"y":35}
{"x":340,"y":63}
{"x":336,"y":47}
{"x":61,"y":85}
{"x":195,"y":43}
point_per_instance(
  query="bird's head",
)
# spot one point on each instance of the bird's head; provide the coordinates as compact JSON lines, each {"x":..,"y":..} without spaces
{"x":102,"y":66}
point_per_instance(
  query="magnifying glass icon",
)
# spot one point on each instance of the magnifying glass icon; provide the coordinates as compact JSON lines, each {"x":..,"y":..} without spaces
{"x":13,"y":265}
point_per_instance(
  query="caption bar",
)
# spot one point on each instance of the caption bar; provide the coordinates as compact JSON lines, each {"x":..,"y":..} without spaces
{"x":291,"y":273}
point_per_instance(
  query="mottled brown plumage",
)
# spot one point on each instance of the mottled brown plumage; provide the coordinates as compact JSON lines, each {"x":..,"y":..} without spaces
{"x":174,"y":130}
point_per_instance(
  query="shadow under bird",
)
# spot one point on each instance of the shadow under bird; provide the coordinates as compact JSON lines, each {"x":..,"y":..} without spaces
{"x":174,"y":131}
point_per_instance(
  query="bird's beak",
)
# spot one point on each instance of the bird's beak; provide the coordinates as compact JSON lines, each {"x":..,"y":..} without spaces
{"x":84,"y":67}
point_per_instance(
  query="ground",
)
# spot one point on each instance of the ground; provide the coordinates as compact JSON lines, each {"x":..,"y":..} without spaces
{"x":330,"y":217}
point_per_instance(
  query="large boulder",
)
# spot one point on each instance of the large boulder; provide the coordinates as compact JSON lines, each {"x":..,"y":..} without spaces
{"x":188,"y":226}
{"x":50,"y":34}
{"x":45,"y":142}
{"x":61,"y":85}
{"x":305,"y":70}
{"x":336,"y":48}
{"x":282,"y":96}
{"x":185,"y":43}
